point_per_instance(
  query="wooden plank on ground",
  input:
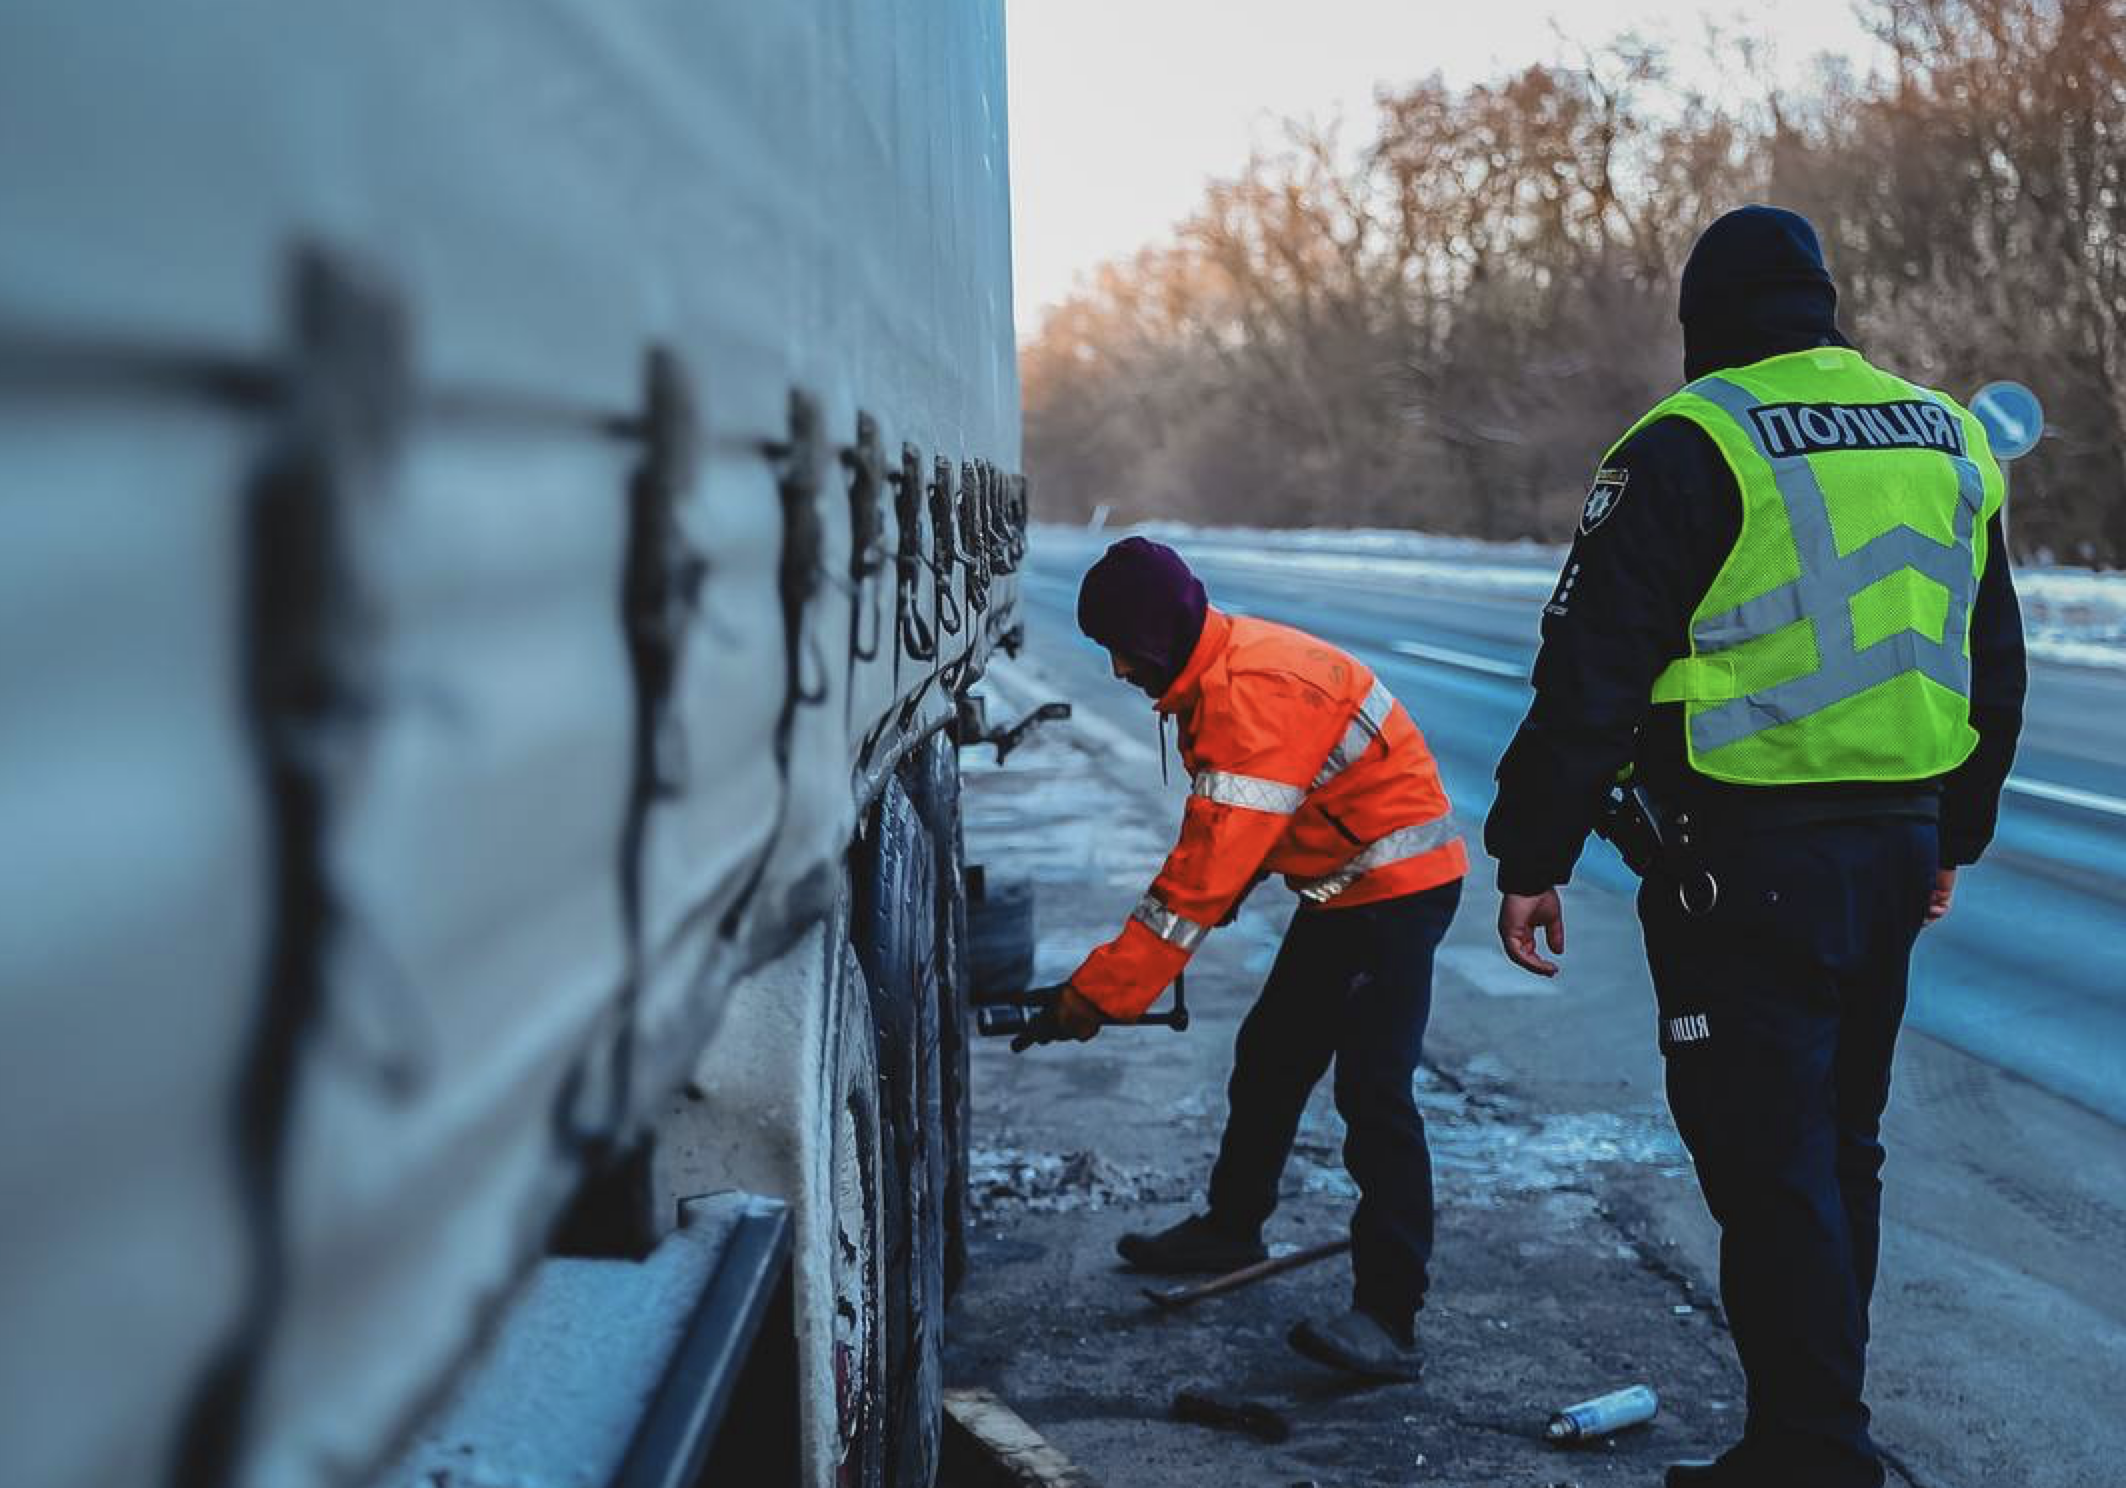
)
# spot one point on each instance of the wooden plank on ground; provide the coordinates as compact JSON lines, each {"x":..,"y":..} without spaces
{"x":988,"y":1445}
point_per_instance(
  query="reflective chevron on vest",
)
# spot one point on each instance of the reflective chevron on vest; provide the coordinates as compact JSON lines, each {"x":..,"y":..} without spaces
{"x":1834,"y":643}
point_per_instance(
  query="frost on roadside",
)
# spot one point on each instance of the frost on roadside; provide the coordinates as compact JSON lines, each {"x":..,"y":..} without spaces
{"x":2071,"y":615}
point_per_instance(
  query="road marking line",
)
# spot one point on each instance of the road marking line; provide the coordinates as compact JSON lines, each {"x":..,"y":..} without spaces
{"x":2043,"y":790}
{"x":1468,"y":661}
{"x":2067,"y":795}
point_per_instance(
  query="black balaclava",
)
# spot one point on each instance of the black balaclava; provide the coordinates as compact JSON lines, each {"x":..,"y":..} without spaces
{"x":1754,"y":287}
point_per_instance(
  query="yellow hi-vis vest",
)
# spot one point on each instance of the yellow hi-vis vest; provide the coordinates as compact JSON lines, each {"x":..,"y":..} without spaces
{"x":1835,"y":641}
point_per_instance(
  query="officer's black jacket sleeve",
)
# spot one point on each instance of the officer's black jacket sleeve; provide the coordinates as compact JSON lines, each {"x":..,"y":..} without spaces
{"x":1970,"y":797}
{"x":1620,"y":613}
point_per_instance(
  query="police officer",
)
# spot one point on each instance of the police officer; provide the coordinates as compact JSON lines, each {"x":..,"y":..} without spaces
{"x":1787,"y":614}
{"x":1300,"y":763}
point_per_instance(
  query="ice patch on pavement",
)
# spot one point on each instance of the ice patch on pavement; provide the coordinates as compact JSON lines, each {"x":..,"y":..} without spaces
{"x":1551,"y":1152}
{"x":1322,"y":1178}
{"x":1488,"y":1147}
{"x":1012,"y":1178}
{"x":1488,"y":1068}
{"x":1193,"y":1106}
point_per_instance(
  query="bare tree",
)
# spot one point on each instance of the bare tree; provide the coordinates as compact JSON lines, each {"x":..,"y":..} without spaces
{"x":1447,"y":327}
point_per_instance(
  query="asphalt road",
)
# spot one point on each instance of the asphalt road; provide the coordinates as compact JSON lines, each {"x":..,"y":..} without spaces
{"x":2000,"y":1324}
{"x":2025,"y":974}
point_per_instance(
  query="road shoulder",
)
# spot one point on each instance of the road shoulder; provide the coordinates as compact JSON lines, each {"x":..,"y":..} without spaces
{"x":1574,"y":1255}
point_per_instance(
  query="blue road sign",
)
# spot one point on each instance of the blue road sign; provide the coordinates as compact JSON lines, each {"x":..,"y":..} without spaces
{"x":2013,"y":417}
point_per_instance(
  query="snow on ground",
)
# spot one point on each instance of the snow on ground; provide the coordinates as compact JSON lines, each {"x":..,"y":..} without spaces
{"x":2072,"y":615}
{"x":1466,"y":564}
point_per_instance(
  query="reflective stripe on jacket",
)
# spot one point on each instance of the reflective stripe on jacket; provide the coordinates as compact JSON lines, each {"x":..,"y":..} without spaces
{"x":1302,"y":764}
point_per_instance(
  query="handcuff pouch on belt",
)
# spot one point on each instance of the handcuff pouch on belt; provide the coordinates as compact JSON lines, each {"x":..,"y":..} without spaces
{"x":1653,"y":841}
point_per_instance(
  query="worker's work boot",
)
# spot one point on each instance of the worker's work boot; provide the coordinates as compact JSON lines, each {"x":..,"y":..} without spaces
{"x":1198,"y":1243}
{"x":1359,"y":1343}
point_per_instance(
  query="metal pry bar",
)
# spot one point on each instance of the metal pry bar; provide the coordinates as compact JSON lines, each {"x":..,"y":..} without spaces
{"x":1008,"y":1014}
{"x":1246,"y":1276}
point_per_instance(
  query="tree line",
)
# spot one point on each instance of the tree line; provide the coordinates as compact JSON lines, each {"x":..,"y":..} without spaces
{"x":1445,"y":327}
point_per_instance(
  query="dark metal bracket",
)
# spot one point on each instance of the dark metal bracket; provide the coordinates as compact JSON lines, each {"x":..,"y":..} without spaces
{"x":944,"y":533}
{"x":865,"y":462}
{"x":660,"y":594}
{"x":803,"y":457}
{"x":917,"y":640}
{"x":804,"y":538}
{"x":340,"y":405}
{"x":662,"y":580}
{"x":971,"y":724}
{"x":974,"y":533}
{"x":1015,"y":521}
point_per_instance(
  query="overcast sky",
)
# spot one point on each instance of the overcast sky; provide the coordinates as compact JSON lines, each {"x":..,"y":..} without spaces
{"x":1122,"y":109}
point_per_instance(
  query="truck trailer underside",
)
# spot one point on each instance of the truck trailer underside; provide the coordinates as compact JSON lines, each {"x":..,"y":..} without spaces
{"x":499,"y":506}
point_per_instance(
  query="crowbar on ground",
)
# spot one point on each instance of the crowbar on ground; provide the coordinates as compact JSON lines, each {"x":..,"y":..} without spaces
{"x":1246,"y":1275}
{"x":1252,"y":1416}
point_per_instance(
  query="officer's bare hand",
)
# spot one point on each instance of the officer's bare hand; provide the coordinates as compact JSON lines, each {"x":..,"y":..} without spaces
{"x":1940,"y":895}
{"x":1520,"y":916}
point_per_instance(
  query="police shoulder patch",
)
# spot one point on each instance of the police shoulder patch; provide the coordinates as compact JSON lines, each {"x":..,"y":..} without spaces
{"x":1602,"y":497}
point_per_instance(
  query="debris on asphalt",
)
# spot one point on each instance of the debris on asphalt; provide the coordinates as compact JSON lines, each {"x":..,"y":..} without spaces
{"x":1008,"y":1178}
{"x":1605,"y":1415}
{"x":1251,"y":1416}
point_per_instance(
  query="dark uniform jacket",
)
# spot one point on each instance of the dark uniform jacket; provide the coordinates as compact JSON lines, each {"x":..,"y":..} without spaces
{"x":1621,"y":612}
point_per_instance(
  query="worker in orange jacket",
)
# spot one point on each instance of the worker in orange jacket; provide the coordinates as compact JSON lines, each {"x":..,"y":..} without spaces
{"x":1301,"y":763}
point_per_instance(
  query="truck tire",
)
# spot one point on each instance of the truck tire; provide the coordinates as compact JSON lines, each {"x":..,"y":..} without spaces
{"x":934,"y":784}
{"x":789,"y":1105}
{"x":956,"y":1029}
{"x":896,"y":938}
{"x":860,"y":1174}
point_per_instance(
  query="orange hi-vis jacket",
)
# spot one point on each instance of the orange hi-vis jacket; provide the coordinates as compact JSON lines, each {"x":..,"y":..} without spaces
{"x":1302,"y":764}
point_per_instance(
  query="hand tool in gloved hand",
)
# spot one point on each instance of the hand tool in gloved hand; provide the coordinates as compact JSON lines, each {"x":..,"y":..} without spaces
{"x":1253,"y":1417}
{"x":1028,"y":1017}
{"x":1246,"y":1275}
{"x":1063,"y":1013}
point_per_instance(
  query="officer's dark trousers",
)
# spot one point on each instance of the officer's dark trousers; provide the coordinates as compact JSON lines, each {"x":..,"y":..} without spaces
{"x":1779,"y":1012}
{"x":1352,"y":986}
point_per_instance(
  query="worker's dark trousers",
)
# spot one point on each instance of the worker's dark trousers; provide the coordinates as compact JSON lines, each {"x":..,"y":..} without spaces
{"x":1779,"y":1012}
{"x":1353,"y":986}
